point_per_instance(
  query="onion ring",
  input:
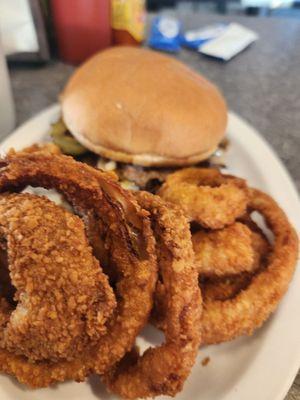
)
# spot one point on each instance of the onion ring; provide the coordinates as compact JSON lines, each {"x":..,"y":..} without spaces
{"x":241,"y":315}
{"x":206,"y":196}
{"x":127,"y":237}
{"x":48,"y":252}
{"x":237,"y":305}
{"x":163,"y":370}
{"x":224,"y":288}
{"x":224,"y":252}
{"x":48,"y":148}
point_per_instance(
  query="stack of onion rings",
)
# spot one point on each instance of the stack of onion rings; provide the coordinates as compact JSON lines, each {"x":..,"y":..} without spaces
{"x":127,"y":242}
{"x":239,"y":293}
{"x":245,"y":312}
{"x":139,"y":261}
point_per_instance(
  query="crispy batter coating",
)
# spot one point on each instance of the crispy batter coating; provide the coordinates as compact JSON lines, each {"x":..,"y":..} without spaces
{"x":225,"y":287}
{"x":261,"y":247}
{"x":63,"y":298}
{"x":47,"y":148}
{"x":128,"y":244}
{"x":206,"y":196}
{"x":242,"y":314}
{"x":224,"y":252}
{"x":42,"y":373}
{"x":163,"y":369}
{"x":43,"y":336}
{"x":238,"y":304}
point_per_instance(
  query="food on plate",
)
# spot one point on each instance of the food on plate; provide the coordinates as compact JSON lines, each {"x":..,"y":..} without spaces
{"x":47,"y":147}
{"x":198,"y":254}
{"x":261,"y":247}
{"x":164,"y":369}
{"x":65,"y":141}
{"x":126,"y":259}
{"x":125,"y":243}
{"x":242,"y":274}
{"x":236,"y":249}
{"x":224,"y":287}
{"x":59,"y":319}
{"x":207,"y":196}
{"x":247,"y":311}
{"x":225,"y":251}
{"x":140,"y":126}
{"x":205,"y":361}
{"x":62,"y":300}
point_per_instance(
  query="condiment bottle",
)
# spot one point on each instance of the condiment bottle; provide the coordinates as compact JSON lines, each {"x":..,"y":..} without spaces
{"x":82,"y":28}
{"x":128,"y":22}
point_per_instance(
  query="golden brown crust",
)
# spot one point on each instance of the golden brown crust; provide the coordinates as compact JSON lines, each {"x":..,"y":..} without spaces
{"x":238,"y":304}
{"x":206,"y":196}
{"x":241,"y":315}
{"x":224,"y":288}
{"x":163,"y":369}
{"x":228,"y":286}
{"x":224,"y":252}
{"x":127,"y":237}
{"x":48,"y":148}
{"x":111,"y":105}
{"x":63,"y":298}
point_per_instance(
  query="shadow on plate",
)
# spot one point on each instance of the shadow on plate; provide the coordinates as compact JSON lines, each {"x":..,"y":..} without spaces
{"x":98,"y":388}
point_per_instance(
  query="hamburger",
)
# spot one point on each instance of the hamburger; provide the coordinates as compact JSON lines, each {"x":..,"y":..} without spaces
{"x":142,"y":114}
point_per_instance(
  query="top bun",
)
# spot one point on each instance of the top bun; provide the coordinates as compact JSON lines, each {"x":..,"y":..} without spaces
{"x":139,"y":106}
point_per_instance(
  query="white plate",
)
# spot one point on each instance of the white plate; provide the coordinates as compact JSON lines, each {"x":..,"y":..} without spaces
{"x":261,"y":367}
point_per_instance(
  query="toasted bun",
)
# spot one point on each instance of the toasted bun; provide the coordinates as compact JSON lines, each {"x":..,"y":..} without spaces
{"x":139,"y":106}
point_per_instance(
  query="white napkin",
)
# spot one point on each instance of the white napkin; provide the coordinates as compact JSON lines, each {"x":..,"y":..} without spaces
{"x":230,"y":42}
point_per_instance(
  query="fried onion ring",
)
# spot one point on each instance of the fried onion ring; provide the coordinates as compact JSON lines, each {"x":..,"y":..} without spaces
{"x":206,"y":196}
{"x":163,"y":370}
{"x":224,"y":288}
{"x":127,"y":242}
{"x":224,"y":252}
{"x":50,"y":259}
{"x":242,"y":314}
{"x":48,"y":148}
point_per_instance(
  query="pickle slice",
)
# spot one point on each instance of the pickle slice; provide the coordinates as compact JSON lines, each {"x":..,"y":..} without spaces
{"x":64,"y":140}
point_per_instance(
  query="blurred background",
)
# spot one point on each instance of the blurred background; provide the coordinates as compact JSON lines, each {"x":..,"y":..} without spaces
{"x":278,"y":8}
{"x":38,"y":30}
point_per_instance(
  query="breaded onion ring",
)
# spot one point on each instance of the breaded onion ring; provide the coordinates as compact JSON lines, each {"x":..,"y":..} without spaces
{"x":224,"y":288}
{"x":127,"y":243}
{"x":241,"y":315}
{"x":48,"y":148}
{"x":224,"y":252}
{"x":163,"y":370}
{"x":50,"y":261}
{"x":206,"y":196}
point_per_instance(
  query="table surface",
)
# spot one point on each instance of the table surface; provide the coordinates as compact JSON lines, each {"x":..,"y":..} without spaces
{"x":262,"y":84}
